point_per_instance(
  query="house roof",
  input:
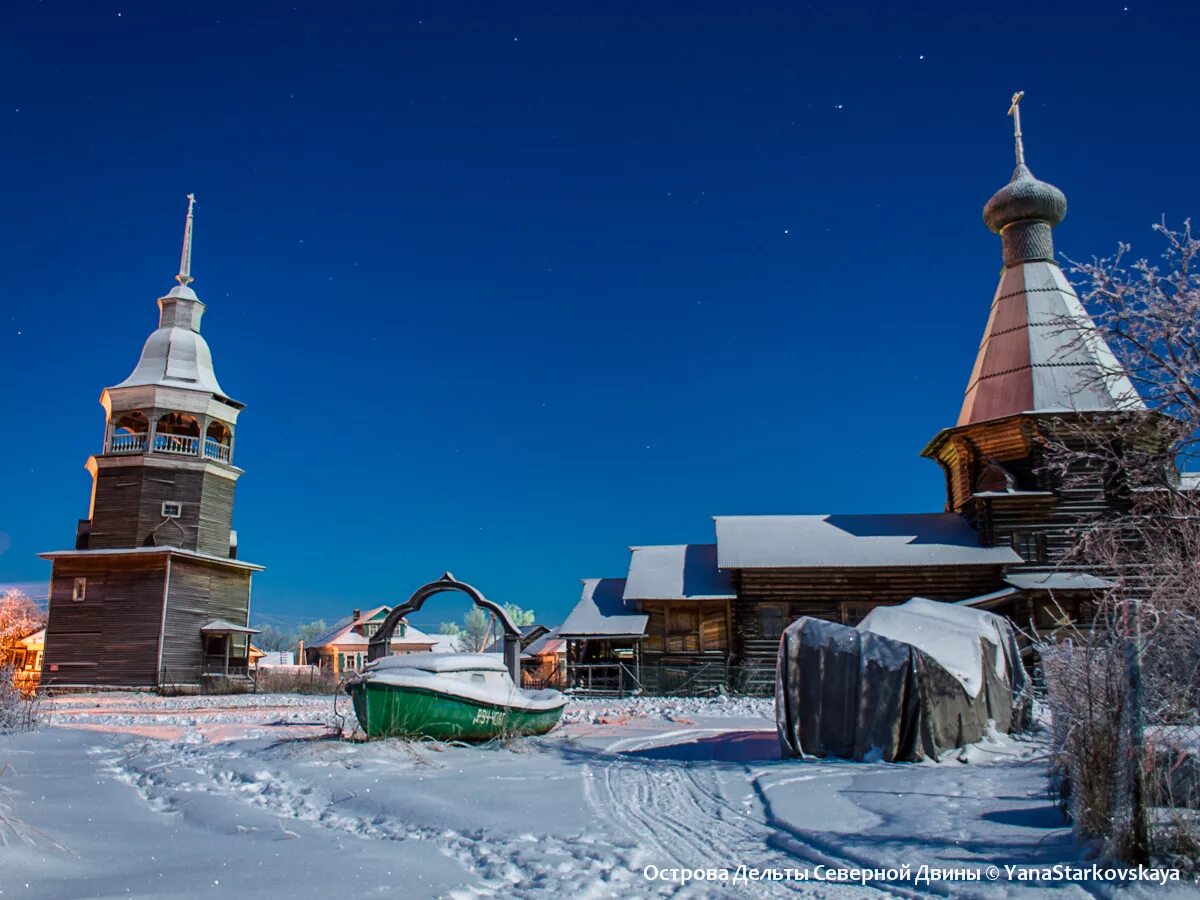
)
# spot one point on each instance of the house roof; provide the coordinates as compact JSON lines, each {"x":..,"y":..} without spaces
{"x":548,"y":644}
{"x":853,"y":541}
{"x":530,"y":634}
{"x":677,"y":572}
{"x":343,"y":635}
{"x":1057,"y":581}
{"x":602,"y":612}
{"x":992,"y":599}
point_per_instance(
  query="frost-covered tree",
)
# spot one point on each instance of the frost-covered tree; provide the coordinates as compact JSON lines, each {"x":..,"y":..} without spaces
{"x":1141,"y":664}
{"x":19,"y":617}
{"x":520,"y":617}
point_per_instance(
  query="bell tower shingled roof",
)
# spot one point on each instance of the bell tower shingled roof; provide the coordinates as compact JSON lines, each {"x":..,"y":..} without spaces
{"x":1040,"y":352}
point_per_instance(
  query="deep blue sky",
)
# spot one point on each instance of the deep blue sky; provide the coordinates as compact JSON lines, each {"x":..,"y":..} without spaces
{"x":507,"y":288}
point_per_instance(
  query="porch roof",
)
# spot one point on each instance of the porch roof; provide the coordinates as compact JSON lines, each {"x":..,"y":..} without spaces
{"x":602,"y":613}
{"x":220,"y":626}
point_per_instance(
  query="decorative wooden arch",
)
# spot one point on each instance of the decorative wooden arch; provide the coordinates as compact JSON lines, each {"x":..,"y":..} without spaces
{"x":381,"y":642}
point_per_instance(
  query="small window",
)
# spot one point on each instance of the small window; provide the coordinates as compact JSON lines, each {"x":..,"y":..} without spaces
{"x":1030,"y":545}
{"x":770,"y":622}
{"x":853,"y":613}
{"x":477,"y":678}
{"x":79,"y":590}
{"x":172,"y":509}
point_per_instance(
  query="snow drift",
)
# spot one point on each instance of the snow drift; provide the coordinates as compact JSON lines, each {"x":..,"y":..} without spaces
{"x":910,"y":682}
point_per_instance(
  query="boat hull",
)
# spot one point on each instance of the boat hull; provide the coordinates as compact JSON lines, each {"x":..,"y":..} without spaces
{"x":386,"y":710}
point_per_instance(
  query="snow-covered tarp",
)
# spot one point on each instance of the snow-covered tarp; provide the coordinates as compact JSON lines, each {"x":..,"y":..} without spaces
{"x":909,"y":682}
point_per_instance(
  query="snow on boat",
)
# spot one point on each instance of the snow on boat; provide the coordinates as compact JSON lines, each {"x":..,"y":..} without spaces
{"x":449,"y":696}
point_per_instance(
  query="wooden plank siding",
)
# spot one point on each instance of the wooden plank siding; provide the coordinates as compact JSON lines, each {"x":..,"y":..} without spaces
{"x":128,"y":507}
{"x":110,"y":637}
{"x":199,"y":592}
{"x":686,"y":631}
{"x":825,"y":592}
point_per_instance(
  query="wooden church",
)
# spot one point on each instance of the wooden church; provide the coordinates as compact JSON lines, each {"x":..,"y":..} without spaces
{"x":998,"y":543}
{"x":153,"y":594}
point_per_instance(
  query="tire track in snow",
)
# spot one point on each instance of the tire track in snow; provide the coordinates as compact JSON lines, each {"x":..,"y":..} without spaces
{"x":678,"y":814}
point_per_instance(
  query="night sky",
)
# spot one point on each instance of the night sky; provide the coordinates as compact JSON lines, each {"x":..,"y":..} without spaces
{"x":507,"y":288}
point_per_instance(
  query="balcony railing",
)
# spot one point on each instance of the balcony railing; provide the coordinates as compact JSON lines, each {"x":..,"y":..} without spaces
{"x":216,"y":450}
{"x":177,"y":443}
{"x":126,"y":442}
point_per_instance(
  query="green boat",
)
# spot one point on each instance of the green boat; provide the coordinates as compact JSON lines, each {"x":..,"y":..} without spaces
{"x":449,"y":697}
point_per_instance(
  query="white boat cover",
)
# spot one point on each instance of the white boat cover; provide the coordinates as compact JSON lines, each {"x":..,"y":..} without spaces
{"x":910,"y":682}
{"x":443,"y":662}
{"x":493,"y":687}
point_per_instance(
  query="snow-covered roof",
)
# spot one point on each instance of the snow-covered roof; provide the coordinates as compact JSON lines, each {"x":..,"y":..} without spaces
{"x":150,"y":551}
{"x":853,"y":541}
{"x":990,"y":599}
{"x":547,"y":644}
{"x":602,"y":612}
{"x":343,"y":634}
{"x":221,"y":626}
{"x":677,"y":572}
{"x":175,"y":357}
{"x":1057,"y":581}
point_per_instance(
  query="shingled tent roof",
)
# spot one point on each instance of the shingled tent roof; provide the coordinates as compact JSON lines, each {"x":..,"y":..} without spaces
{"x":1040,"y":352}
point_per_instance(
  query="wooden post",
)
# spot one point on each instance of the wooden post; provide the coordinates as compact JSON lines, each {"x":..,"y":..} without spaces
{"x":228,"y":641}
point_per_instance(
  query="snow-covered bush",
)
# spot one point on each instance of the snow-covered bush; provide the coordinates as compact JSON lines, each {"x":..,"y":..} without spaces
{"x":19,"y":708}
{"x":1125,"y":692}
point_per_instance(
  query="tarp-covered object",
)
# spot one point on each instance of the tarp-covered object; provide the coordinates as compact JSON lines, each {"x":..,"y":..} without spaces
{"x":911,"y":681}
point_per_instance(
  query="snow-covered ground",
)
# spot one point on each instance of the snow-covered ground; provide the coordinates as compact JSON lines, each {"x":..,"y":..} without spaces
{"x":128,"y":795}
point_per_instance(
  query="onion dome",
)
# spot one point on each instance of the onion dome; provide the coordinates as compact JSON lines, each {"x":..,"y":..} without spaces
{"x":1024,"y":198}
{"x":1041,"y":352}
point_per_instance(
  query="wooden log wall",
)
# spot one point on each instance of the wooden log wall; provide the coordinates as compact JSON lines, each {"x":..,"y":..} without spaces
{"x":111,"y":636}
{"x":685,"y":630}
{"x":128,"y":508}
{"x":200,"y":592}
{"x":823,"y":592}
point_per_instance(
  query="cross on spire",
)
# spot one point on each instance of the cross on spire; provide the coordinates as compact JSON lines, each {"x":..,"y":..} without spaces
{"x":185,"y":258}
{"x":1015,"y":111}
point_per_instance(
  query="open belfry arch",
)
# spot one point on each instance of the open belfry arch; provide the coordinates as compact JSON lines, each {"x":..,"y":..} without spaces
{"x":153,"y":593}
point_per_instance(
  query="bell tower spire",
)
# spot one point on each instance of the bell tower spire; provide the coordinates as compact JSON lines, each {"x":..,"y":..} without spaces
{"x":185,"y":257}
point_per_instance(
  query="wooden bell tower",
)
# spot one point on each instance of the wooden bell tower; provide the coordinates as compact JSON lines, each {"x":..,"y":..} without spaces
{"x":153,"y":592}
{"x":1042,"y":365}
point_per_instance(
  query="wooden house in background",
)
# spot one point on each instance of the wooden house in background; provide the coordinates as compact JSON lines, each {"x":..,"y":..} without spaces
{"x":153,"y":593}
{"x":343,"y":648}
{"x":24,"y":656}
{"x":1000,"y":542}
